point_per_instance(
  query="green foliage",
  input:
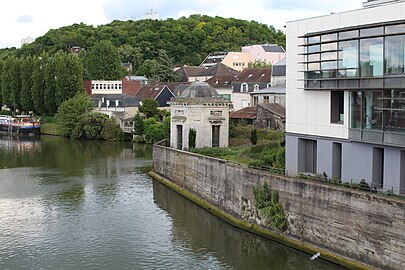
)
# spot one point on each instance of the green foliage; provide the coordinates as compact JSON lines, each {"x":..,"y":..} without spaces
{"x":154,"y":132}
{"x":259,"y":64}
{"x":269,"y":208}
{"x":38,"y":83}
{"x":166,"y":127}
{"x":192,"y":135}
{"x":186,"y":40}
{"x":50,"y":86}
{"x":269,"y":155}
{"x":112,"y":131}
{"x":6,"y":112}
{"x":1,"y":91}
{"x":71,"y":111}
{"x":26,"y":84}
{"x":149,"y":107}
{"x":89,"y":126}
{"x":253,"y":136}
{"x":103,"y":62}
{"x":139,"y":126}
{"x":15,"y":84}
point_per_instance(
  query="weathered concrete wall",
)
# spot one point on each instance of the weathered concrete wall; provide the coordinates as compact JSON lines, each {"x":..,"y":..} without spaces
{"x":360,"y":226}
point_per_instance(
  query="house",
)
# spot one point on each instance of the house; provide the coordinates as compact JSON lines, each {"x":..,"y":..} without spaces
{"x":346,"y":97}
{"x":278,"y":72}
{"x":269,"y":53}
{"x":244,"y":116}
{"x":159,"y":92}
{"x":249,"y":80}
{"x":112,"y":87}
{"x":121,"y":107}
{"x":223,"y":85}
{"x":268,"y":95}
{"x":234,"y":60}
{"x":266,"y":115}
{"x":270,"y":115}
{"x":190,"y":74}
{"x":199,"y":108}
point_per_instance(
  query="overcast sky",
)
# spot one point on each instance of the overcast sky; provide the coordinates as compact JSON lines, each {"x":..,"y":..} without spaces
{"x":33,"y":18}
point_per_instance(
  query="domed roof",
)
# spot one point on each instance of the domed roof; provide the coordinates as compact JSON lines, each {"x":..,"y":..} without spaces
{"x":199,"y":90}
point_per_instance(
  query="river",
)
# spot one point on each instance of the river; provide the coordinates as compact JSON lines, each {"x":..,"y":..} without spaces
{"x":68,"y":204}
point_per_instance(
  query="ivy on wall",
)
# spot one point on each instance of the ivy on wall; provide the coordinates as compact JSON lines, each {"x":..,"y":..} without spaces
{"x":269,"y":208}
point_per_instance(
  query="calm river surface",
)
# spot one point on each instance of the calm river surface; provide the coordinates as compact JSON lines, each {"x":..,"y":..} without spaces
{"x":90,"y":205}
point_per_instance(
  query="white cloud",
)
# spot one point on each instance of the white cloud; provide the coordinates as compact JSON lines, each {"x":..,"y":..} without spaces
{"x":43,"y":15}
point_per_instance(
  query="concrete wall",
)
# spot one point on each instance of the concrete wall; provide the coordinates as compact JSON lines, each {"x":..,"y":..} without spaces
{"x":355,"y":225}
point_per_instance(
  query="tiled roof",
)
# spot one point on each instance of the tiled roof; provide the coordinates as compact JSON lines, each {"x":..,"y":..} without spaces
{"x":255,"y":75}
{"x":273,"y":48}
{"x":221,"y":81}
{"x":219,"y":69}
{"x":193,"y":71}
{"x":245,"y":113}
{"x":149,"y":91}
{"x":273,"y":108}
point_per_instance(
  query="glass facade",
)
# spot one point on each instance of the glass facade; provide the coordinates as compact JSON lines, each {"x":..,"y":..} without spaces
{"x":369,"y":62}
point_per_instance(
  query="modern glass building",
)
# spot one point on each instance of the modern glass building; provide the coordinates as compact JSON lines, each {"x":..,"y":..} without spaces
{"x":346,"y":95}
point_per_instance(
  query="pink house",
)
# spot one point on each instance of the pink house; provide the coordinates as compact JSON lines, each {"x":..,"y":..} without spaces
{"x":271,"y":53}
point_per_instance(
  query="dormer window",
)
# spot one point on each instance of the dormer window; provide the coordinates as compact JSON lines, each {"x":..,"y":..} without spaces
{"x":244,"y":87}
{"x":256,"y":87}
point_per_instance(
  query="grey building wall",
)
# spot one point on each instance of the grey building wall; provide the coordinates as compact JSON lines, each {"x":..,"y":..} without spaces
{"x":358,"y":161}
{"x":357,"y":225}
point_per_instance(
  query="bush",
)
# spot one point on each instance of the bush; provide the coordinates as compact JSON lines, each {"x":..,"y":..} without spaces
{"x":6,"y":112}
{"x":192,"y":134}
{"x":90,"y":126}
{"x":139,"y":125}
{"x":154,"y":132}
{"x":253,"y":136}
{"x":112,"y":131}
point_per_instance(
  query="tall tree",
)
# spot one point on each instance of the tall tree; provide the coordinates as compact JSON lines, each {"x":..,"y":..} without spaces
{"x":1,"y":84}
{"x":103,"y":62}
{"x":26,"y":84}
{"x":15,"y":84}
{"x":38,"y":83}
{"x":50,"y":86}
{"x":5,"y":81}
{"x":69,"y":78}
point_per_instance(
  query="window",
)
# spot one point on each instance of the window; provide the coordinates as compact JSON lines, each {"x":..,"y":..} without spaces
{"x":337,"y":107}
{"x":244,"y":87}
{"x":266,"y":99}
{"x":179,"y":137}
{"x":371,"y":57}
{"x":92,"y":86}
{"x":355,"y":109}
{"x":255,"y":101}
{"x":371,"y":110}
{"x":215,"y":136}
{"x":256,"y":87}
{"x":348,"y":57}
{"x":394,"y":54}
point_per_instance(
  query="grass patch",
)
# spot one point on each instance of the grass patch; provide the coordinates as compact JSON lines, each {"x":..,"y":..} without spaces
{"x":50,"y":129}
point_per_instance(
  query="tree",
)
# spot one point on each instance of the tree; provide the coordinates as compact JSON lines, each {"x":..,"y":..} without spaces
{"x":149,"y":108}
{"x":15,"y":84}
{"x":90,"y":126}
{"x":103,"y":62}
{"x":26,"y":84}
{"x":192,"y":135}
{"x":50,"y":85}
{"x":164,"y":72}
{"x":38,"y":83}
{"x":253,"y":136}
{"x":1,"y":87}
{"x":71,"y":111}
{"x":69,"y":78}
{"x":6,"y":80}
{"x":138,"y":124}
{"x":259,"y":64}
{"x":112,"y":131}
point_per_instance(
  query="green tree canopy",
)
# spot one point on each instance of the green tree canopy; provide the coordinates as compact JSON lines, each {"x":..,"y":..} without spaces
{"x":149,"y":107}
{"x":103,"y":62}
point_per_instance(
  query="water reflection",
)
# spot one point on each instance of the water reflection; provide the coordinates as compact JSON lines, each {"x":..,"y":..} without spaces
{"x":200,"y":231}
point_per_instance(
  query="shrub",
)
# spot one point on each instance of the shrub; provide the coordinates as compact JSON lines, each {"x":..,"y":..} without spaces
{"x":253,"y":136}
{"x":139,"y":125}
{"x":154,"y":132}
{"x":192,"y":134}
{"x":112,"y":131}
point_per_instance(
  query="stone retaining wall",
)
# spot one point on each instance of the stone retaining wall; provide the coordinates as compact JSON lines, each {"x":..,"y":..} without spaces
{"x":363,"y":227}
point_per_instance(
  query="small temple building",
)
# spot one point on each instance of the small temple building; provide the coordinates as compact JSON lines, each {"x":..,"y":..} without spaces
{"x":199,"y":108}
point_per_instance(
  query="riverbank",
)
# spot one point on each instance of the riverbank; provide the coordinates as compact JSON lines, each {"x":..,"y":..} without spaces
{"x":356,"y":229}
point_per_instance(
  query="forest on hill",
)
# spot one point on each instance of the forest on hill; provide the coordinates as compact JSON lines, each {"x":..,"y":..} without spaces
{"x":187,"y":40}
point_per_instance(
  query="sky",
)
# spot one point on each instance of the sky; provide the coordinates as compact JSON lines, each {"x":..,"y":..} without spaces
{"x":33,"y":18}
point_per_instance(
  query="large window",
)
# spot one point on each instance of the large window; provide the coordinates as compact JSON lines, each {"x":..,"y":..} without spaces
{"x":337,"y":106}
{"x":371,"y":57}
{"x":372,"y":110}
{"x":394,"y":110}
{"x":394,"y":54}
{"x":348,"y":58}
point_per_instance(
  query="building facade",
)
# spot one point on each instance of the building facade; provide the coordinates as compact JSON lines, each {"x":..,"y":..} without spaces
{"x":199,"y":108}
{"x":346,"y":95}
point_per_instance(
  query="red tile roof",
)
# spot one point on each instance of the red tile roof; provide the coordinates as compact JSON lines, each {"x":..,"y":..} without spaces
{"x":221,"y":81}
{"x":149,"y":91}
{"x":255,"y":75}
{"x":245,"y":113}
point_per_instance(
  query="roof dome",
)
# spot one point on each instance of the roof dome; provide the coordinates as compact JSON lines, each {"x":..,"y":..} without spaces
{"x":199,"y":90}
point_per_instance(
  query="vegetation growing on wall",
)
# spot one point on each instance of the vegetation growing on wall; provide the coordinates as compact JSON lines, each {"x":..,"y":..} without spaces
{"x":192,"y":135}
{"x":269,"y":208}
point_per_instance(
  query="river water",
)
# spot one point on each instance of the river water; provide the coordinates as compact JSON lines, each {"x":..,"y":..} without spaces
{"x":90,"y":205}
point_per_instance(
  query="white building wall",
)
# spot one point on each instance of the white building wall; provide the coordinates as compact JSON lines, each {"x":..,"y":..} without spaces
{"x":106,"y":87}
{"x":308,"y":112}
{"x":240,"y":101}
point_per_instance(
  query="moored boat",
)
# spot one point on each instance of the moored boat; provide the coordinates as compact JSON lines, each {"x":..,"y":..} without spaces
{"x":19,"y":124}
